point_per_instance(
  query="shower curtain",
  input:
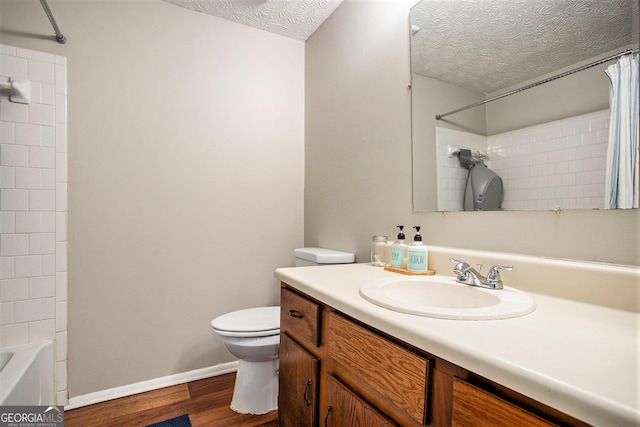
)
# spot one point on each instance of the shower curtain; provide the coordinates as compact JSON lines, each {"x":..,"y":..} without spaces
{"x":623,"y":167}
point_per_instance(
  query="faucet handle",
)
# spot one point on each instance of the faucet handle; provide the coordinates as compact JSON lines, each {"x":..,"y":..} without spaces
{"x":461,"y":266}
{"x":494,"y":274}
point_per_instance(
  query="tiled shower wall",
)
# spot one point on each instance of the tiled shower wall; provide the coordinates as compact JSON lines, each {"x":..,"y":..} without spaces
{"x":33,"y":206}
{"x":556,"y":165}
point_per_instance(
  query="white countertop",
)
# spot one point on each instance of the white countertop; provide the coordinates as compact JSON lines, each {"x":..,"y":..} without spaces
{"x":579,"y":358}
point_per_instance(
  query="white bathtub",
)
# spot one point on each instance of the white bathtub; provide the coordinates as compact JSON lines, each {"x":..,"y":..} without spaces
{"x":27,"y":374}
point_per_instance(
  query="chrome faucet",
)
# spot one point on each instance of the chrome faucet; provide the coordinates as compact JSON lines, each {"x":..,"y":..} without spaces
{"x":470,"y":276}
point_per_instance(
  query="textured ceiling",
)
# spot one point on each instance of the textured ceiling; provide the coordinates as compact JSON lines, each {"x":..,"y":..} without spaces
{"x":484,"y":45}
{"x":493,"y":44}
{"x":296,"y":19}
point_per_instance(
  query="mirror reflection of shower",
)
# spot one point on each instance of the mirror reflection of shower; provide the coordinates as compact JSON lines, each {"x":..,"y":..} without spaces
{"x":484,"y":190}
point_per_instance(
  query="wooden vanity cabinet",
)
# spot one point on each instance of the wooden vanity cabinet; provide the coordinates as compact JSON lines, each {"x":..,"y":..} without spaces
{"x":338,"y":372}
{"x":299,"y":371}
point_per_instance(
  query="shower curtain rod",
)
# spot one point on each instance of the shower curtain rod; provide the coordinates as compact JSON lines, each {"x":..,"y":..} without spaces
{"x":60,"y":38}
{"x":538,"y":83}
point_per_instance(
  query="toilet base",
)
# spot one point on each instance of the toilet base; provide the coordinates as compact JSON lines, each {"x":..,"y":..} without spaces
{"x":256,"y":389}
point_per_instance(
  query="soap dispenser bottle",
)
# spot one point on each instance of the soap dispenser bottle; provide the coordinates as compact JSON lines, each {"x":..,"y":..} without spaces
{"x":417,"y":254}
{"x":399,"y":251}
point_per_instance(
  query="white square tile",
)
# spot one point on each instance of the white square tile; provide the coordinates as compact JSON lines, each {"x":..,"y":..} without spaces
{"x":28,"y":310}
{"x":48,"y":94}
{"x":14,"y":155}
{"x":61,"y":376}
{"x":15,"y":334}
{"x":36,"y":92}
{"x":49,"y":265}
{"x":7,"y":133}
{"x":14,"y":200}
{"x":42,"y":200}
{"x":61,"y":226}
{"x":14,"y":244}
{"x":61,"y":345}
{"x":14,"y":112}
{"x":27,"y":134}
{"x":61,"y":286}
{"x":42,"y":157}
{"x":42,"y":287}
{"x":42,"y":72}
{"x":48,"y":136}
{"x":7,"y":222}
{"x":61,"y":167}
{"x":48,"y":179}
{"x":41,"y":114}
{"x":61,"y":108}
{"x":12,"y":66}
{"x":6,"y":313}
{"x":61,"y":79}
{"x":28,"y":266}
{"x":6,"y":267}
{"x":14,"y":289}
{"x":42,"y":243}
{"x":34,"y":54}
{"x":28,"y":178}
{"x":7,"y":177}
{"x":49,"y":222}
{"x":28,"y":222}
{"x":61,"y":316}
{"x":61,"y":256}
{"x":42,"y":330}
{"x":61,"y":197}
{"x":61,"y":138}
{"x":49,"y":308}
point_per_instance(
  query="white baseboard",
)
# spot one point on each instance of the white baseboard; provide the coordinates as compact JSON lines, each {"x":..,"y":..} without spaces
{"x":156,"y":383}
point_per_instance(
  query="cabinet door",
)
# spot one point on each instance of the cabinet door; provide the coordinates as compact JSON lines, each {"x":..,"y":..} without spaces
{"x":345,"y":409}
{"x":474,"y":407}
{"x":298,"y":382}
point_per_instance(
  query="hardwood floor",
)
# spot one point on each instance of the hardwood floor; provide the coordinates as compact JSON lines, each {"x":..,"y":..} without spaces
{"x":206,"y":401}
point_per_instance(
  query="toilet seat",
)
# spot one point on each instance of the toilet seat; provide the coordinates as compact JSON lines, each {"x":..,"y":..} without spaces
{"x":250,"y":322}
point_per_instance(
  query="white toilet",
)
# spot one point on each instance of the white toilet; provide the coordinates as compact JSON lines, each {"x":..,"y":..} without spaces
{"x":253,"y":336}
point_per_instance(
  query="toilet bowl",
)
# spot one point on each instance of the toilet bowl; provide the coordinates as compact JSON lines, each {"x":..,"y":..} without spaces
{"x":253,"y":336}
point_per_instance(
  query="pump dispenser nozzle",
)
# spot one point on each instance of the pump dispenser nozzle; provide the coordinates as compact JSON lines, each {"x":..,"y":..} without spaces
{"x":401,"y":234}
{"x":417,"y":237}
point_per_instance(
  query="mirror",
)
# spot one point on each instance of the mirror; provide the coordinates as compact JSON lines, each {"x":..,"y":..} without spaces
{"x":548,"y":143}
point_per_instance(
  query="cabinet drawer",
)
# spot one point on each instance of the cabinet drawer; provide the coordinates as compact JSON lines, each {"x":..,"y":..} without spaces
{"x":391,"y":376}
{"x":475,"y":407}
{"x":300,"y":318}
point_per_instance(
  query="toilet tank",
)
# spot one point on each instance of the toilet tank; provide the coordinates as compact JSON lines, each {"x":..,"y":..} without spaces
{"x":320,"y":256}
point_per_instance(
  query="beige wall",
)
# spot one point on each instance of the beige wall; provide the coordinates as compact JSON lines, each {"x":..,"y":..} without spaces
{"x":358,"y":161}
{"x":185,"y":178}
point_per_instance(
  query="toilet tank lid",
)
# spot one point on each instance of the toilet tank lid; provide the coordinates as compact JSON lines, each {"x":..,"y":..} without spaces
{"x":324,"y":256}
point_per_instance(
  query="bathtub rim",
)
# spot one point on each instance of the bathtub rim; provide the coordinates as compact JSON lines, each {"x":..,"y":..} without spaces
{"x":23,"y":357}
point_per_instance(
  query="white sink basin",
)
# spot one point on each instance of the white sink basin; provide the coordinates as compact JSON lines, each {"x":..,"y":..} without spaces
{"x":444,"y":298}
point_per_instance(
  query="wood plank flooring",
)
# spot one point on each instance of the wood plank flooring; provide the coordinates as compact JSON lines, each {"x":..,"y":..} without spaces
{"x":206,"y":401}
